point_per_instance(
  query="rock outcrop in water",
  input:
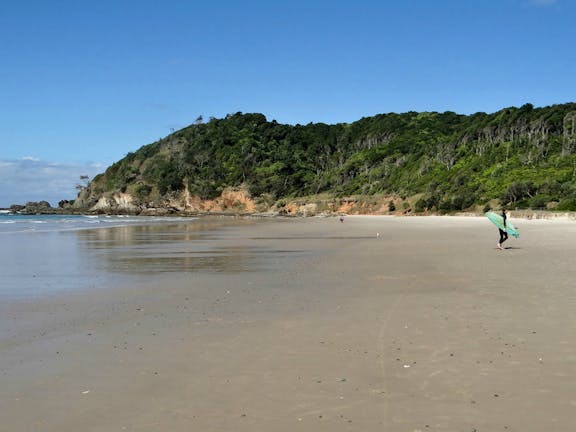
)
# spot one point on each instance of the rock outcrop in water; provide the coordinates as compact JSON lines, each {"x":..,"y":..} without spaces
{"x":32,"y":207}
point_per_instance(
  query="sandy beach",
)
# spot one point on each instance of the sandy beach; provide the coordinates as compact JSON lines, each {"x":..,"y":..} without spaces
{"x":374,"y":324}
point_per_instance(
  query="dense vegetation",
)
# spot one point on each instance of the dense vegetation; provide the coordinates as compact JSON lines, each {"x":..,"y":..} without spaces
{"x":523,"y":157}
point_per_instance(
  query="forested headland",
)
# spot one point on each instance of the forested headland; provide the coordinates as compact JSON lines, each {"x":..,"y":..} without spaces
{"x":435,"y":162}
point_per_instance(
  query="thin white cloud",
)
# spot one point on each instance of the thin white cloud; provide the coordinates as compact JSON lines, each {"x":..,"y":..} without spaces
{"x":31,"y":179}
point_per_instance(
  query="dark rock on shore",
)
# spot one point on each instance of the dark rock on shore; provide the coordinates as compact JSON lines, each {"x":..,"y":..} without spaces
{"x":66,"y":204}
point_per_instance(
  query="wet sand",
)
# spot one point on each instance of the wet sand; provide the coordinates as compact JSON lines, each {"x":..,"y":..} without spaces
{"x":309,"y":325}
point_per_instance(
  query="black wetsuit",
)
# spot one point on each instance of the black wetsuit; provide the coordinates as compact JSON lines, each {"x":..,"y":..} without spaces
{"x":503,"y":234}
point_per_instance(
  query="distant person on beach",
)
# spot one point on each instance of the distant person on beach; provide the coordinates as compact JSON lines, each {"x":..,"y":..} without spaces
{"x":503,"y":233}
{"x":341,"y":219}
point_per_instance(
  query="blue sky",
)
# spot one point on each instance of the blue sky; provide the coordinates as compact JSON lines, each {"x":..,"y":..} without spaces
{"x":83,"y":83}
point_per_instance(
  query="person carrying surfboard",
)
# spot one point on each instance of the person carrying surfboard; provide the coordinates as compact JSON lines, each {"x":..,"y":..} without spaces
{"x":504,"y":226}
{"x":503,"y":233}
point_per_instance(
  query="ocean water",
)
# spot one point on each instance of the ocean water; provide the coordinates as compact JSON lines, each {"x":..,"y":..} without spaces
{"x":15,"y":223}
{"x":51,"y":254}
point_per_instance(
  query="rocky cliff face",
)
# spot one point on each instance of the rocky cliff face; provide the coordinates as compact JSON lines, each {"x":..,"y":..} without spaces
{"x":232,"y":200}
{"x":237,"y":201}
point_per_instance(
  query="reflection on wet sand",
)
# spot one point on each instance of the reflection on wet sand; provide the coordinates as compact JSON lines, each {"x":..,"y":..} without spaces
{"x":152,"y":234}
{"x":200,"y":245}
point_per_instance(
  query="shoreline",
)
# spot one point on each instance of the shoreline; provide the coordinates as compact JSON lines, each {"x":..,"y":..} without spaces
{"x":518,"y":214}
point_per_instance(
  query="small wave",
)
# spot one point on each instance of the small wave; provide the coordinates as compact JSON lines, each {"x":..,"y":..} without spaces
{"x":19,"y":231}
{"x":7,"y":222}
{"x":122,"y":221}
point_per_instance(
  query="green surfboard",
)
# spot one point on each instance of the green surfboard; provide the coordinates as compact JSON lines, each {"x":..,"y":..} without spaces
{"x":497,"y":220}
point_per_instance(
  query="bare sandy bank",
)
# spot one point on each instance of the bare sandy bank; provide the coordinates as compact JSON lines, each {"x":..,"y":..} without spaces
{"x":331,"y":327}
